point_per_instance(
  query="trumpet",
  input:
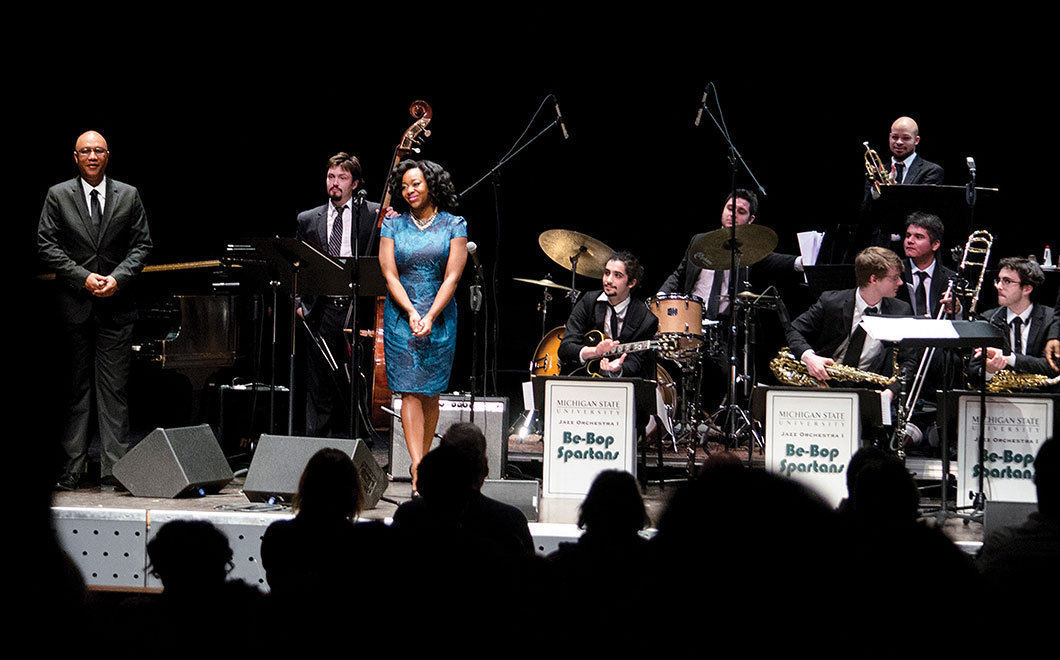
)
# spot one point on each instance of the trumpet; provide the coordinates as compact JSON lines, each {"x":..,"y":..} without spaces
{"x":878,"y":173}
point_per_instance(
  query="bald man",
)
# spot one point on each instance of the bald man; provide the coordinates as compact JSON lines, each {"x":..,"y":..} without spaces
{"x":881,"y":227}
{"x":93,"y":233}
{"x":906,"y":167}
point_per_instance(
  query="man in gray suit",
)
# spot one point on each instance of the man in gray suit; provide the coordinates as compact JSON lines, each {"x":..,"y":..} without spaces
{"x":339,"y":228}
{"x":93,"y":233}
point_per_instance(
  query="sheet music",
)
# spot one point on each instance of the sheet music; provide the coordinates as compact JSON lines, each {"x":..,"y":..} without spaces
{"x":894,"y":328}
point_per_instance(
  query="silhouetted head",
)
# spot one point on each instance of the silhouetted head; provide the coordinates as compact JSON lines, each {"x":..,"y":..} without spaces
{"x":1046,"y":477}
{"x":613,"y":505}
{"x":190,"y":554}
{"x":469,"y":440}
{"x":330,"y":487}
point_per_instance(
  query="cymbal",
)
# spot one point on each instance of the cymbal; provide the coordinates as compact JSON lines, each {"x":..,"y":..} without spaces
{"x":561,"y":245}
{"x":545,"y":283}
{"x":748,"y":299}
{"x":713,"y":252}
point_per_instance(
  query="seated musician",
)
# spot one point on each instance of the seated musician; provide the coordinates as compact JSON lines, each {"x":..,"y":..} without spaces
{"x":829,"y":332}
{"x":690,"y":280}
{"x":1026,"y":326}
{"x":620,"y":317}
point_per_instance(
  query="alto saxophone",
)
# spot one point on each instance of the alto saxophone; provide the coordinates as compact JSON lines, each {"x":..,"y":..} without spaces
{"x":1010,"y":381}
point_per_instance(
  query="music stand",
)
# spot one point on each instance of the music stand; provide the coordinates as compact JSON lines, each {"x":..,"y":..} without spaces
{"x":298,"y":268}
{"x":948,"y":202}
{"x":923,"y":333}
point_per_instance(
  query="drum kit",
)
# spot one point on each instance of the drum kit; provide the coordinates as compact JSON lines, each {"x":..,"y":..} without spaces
{"x":690,"y":337}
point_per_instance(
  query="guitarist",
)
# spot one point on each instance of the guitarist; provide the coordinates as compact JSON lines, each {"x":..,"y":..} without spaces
{"x":620,"y":317}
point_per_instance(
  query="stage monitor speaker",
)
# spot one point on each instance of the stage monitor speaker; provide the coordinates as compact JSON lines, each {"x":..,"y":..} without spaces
{"x":279,"y":461}
{"x":491,"y":415}
{"x":523,"y":494}
{"x":175,"y":462}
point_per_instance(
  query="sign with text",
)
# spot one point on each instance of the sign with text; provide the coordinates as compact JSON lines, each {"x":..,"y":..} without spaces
{"x":589,"y":428}
{"x":1015,"y":428}
{"x":810,"y":437}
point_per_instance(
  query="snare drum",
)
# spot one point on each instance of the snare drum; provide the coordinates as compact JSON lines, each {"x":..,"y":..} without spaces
{"x":681,"y":320}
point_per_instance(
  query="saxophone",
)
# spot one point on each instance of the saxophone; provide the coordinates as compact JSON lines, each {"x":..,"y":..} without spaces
{"x":791,"y":371}
{"x":1010,"y":381}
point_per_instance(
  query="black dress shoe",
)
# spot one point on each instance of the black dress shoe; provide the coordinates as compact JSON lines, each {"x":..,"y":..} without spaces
{"x":67,"y":482}
{"x":110,"y":480}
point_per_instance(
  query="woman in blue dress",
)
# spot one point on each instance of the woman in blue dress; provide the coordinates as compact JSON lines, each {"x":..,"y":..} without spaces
{"x":422,"y":253}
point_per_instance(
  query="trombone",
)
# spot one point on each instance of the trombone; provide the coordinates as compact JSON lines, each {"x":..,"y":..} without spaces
{"x":976,"y":255}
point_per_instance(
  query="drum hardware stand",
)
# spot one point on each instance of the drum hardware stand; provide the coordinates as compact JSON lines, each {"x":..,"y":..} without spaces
{"x":692,"y":379}
{"x":546,"y":298}
{"x":740,"y":425}
{"x":574,"y":294}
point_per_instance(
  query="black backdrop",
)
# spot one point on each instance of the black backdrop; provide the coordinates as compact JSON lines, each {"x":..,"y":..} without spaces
{"x":227,"y":137}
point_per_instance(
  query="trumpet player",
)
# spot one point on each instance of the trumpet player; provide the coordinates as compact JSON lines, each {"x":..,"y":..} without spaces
{"x":829,"y":332}
{"x":907,"y":168}
{"x":1026,"y":326}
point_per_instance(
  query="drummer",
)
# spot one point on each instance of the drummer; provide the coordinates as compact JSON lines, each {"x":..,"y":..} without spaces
{"x":691,"y":280}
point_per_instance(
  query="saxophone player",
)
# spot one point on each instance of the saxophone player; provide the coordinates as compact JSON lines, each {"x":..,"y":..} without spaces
{"x":829,"y":331}
{"x":1026,"y":326}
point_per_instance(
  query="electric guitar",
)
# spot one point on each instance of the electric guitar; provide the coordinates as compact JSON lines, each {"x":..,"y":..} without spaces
{"x":594,"y":337}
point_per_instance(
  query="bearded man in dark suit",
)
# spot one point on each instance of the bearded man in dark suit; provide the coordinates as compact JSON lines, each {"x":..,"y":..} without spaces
{"x":339,"y":228}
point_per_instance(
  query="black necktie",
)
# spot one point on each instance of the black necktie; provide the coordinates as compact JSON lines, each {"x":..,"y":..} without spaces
{"x":898,"y":169}
{"x":1017,"y":335}
{"x":96,"y":211}
{"x":335,"y":242}
{"x":614,"y":322}
{"x":920,"y":306}
{"x":716,"y":290}
{"x":857,"y":341}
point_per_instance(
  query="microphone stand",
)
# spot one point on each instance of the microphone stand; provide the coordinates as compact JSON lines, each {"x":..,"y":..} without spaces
{"x":355,"y":294}
{"x":736,"y":160}
{"x":494,"y":174}
{"x":476,"y":307}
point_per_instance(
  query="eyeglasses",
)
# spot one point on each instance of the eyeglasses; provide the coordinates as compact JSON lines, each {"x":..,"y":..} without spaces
{"x":99,"y":151}
{"x":1006,"y":281}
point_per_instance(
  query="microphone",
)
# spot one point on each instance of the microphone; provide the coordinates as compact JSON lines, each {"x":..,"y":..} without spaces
{"x":472,"y":250}
{"x":559,"y":119}
{"x":971,"y":165}
{"x":702,"y":104}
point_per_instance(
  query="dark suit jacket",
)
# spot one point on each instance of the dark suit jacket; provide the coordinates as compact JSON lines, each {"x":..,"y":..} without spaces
{"x":939,"y":282}
{"x":502,"y":526}
{"x":588,"y":314}
{"x":877,"y":230}
{"x":827,"y":324}
{"x":1043,"y":326}
{"x":312,"y":228}
{"x":770,"y":270}
{"x":68,"y":244}
{"x":923,"y":172}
